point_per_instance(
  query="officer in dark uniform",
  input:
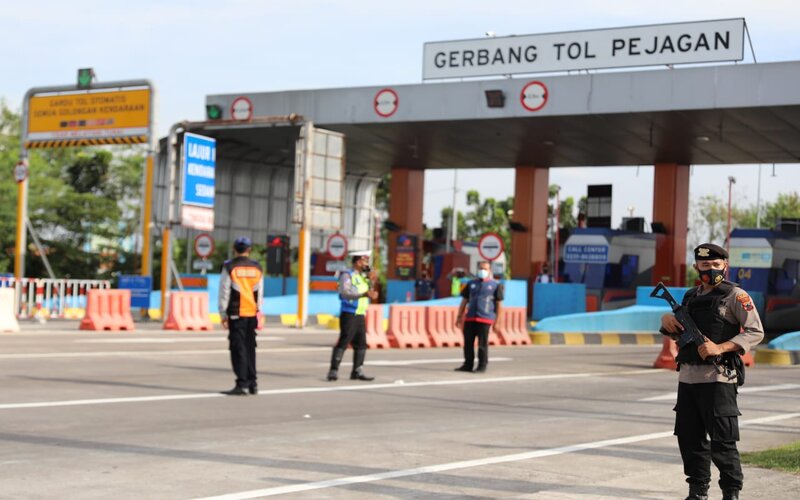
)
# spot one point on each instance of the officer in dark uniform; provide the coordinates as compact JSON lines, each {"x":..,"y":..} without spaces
{"x":240,"y":294}
{"x":707,"y":406}
{"x":482,"y":298}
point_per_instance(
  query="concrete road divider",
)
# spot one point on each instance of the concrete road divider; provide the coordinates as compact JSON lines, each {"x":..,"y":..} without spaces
{"x":8,"y":320}
{"x":407,"y":327}
{"x":376,"y":333}
{"x":108,"y":310}
{"x":514,"y":325}
{"x":441,"y":326}
{"x":188,"y":311}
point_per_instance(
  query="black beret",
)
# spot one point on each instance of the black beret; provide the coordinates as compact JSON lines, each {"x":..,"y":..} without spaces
{"x":709,"y":251}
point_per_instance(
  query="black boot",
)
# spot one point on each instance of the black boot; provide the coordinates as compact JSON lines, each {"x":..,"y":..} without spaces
{"x":730,"y":494}
{"x":336,"y":358}
{"x":697,"y":492}
{"x":358,"y":372}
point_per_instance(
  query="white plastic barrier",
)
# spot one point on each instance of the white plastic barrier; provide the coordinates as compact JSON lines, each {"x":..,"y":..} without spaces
{"x":49,"y":298}
{"x":8,"y":320}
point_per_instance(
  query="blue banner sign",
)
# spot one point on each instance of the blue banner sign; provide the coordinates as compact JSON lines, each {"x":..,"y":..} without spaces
{"x":140,"y":287}
{"x":586,"y":254}
{"x":197,"y":171}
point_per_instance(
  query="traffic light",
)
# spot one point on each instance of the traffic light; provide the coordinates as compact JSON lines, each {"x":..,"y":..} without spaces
{"x":213,"y":111}
{"x":85,"y":78}
{"x":278,"y":254}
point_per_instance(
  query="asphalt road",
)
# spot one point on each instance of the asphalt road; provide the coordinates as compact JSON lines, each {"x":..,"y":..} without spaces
{"x":139,"y":415}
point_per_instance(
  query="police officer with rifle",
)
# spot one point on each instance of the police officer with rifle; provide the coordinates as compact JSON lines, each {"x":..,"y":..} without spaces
{"x":715,"y":323}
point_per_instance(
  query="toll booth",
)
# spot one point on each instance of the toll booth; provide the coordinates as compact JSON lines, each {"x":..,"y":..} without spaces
{"x":611,"y":263}
{"x":766,"y":261}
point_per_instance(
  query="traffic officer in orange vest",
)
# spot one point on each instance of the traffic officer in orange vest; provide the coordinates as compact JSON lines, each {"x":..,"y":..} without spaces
{"x":707,"y":413}
{"x":240,"y":295}
{"x":355,"y":292}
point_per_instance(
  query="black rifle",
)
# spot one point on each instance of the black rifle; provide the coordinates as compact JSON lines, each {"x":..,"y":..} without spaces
{"x":691,"y":333}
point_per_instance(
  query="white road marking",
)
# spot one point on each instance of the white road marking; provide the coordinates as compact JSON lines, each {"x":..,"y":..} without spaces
{"x":327,"y":388}
{"x":48,"y":355}
{"x":673,"y":396}
{"x":431,"y":469}
{"x":161,"y":340}
{"x":409,"y":362}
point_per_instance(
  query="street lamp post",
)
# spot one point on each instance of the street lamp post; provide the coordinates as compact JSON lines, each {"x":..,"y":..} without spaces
{"x":731,"y":182}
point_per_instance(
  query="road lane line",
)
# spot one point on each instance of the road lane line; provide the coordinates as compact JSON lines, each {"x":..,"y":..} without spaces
{"x":327,"y":388}
{"x":673,"y":396}
{"x":50,"y":355}
{"x":432,"y":469}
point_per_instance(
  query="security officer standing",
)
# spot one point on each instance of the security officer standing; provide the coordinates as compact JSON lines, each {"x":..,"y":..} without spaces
{"x":707,"y":385}
{"x":240,"y":295}
{"x":482,"y":298}
{"x":355,"y":292}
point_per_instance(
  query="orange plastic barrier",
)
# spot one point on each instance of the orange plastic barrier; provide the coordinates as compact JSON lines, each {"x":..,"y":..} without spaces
{"x":407,"y":327}
{"x":188,"y":311}
{"x":376,"y":335}
{"x":441,"y":326}
{"x":8,"y":320}
{"x":515,"y":326}
{"x":666,"y":358}
{"x":108,"y":310}
{"x":592,"y":303}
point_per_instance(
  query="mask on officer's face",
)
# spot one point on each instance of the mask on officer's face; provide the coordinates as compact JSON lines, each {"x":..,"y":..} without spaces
{"x":366,"y":269}
{"x":483,"y":273}
{"x":712,"y":277}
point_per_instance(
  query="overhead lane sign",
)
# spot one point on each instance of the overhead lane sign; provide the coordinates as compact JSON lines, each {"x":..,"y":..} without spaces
{"x":679,"y":43}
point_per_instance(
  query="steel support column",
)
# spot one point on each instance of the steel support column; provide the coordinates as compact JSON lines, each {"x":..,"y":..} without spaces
{"x":671,"y":209}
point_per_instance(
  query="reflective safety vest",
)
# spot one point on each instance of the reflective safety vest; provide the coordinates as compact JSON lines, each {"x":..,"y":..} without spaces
{"x":481,"y":305}
{"x":356,"y":306}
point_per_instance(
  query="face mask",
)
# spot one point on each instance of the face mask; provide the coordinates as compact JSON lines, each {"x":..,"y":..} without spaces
{"x":483,"y":273}
{"x":712,"y":276}
{"x":366,"y":269}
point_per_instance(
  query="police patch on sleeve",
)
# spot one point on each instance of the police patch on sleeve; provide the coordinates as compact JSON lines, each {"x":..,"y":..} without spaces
{"x":746,"y":301}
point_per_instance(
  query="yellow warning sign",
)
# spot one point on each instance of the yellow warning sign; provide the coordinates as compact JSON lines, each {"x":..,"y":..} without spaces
{"x":89,"y":115}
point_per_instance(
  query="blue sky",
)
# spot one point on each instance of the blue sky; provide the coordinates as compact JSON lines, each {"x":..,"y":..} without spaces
{"x":193,"y":48}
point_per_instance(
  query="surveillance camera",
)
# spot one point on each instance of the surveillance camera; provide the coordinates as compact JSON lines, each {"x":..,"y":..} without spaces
{"x":490,"y":34}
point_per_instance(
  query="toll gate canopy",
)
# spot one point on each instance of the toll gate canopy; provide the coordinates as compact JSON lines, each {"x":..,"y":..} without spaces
{"x":711,"y":115}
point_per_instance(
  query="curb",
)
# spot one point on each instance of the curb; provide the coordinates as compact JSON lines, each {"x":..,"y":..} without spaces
{"x":778,"y":357}
{"x":605,"y":338}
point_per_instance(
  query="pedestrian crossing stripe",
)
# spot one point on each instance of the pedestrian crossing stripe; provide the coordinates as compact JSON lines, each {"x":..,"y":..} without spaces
{"x":71,"y":143}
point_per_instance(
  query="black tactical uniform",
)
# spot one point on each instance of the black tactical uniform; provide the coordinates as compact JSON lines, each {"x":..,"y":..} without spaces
{"x":707,"y":406}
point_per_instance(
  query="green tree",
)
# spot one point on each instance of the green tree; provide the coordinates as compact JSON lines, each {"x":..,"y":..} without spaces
{"x":83,"y":203}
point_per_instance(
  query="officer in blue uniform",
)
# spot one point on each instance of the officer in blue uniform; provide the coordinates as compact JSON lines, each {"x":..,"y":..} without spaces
{"x":482,"y":298}
{"x":355,"y":292}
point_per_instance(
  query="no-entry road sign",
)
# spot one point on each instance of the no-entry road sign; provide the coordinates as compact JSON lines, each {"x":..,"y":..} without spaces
{"x":490,"y":246}
{"x":204,"y":245}
{"x":337,"y":246}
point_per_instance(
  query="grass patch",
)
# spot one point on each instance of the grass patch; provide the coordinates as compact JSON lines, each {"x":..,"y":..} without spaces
{"x":785,"y":458}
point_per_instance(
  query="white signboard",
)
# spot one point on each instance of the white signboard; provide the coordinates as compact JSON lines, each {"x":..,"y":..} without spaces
{"x":679,"y":43}
{"x":490,"y":246}
{"x":757,"y":257}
